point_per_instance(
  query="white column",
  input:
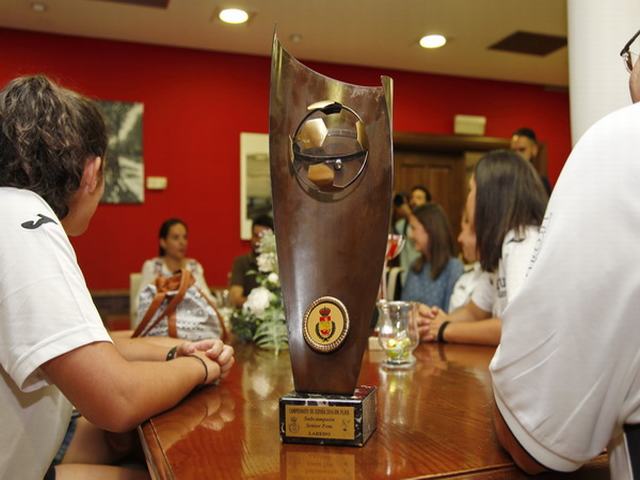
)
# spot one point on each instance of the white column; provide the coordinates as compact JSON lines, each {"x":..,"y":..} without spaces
{"x":598,"y":80}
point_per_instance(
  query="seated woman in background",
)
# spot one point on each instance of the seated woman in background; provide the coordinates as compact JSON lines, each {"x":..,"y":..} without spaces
{"x":173,"y":239}
{"x":468,"y":281}
{"x":432,"y":276}
{"x":506,"y":202}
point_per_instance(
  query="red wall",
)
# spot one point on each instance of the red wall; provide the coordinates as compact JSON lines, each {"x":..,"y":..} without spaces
{"x":197,"y":103}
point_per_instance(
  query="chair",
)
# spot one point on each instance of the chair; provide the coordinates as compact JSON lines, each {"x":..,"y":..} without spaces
{"x":392,"y":281}
{"x":134,"y":287}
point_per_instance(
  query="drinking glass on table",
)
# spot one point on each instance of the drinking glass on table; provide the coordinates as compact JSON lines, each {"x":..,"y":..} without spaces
{"x":398,"y":333}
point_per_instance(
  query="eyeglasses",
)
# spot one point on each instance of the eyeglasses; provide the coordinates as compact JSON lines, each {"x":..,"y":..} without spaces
{"x":627,"y":55}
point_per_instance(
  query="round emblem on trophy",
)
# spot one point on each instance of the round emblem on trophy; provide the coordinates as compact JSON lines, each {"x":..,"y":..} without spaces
{"x":326,"y":324}
{"x":329,"y":149}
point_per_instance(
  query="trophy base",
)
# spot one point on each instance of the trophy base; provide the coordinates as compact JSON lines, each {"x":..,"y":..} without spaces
{"x":328,"y":419}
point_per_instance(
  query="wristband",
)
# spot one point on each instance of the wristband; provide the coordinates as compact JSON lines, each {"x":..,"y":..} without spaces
{"x":440,"y":336}
{"x":171,"y":354}
{"x":206,"y":369}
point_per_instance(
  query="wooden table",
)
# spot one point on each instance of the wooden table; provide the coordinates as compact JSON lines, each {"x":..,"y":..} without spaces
{"x":433,"y":422}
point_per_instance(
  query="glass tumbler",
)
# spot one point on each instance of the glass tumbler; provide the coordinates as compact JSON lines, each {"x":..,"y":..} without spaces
{"x":398,"y":333}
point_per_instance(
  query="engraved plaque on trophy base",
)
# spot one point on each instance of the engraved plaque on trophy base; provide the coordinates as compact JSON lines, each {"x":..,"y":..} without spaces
{"x":328,"y":419}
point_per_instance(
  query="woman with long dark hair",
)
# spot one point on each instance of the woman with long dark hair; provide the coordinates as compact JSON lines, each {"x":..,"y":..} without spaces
{"x":173,"y":239}
{"x":432,"y":276}
{"x":507,"y":202}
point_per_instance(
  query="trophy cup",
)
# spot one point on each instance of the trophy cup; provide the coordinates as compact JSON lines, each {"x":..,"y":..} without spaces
{"x":330,"y":154}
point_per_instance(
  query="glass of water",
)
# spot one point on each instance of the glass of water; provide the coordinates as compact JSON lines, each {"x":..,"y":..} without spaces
{"x":398,"y":333}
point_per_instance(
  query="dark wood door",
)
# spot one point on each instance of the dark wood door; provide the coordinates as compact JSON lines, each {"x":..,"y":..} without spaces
{"x":442,"y":163}
{"x":442,"y":173}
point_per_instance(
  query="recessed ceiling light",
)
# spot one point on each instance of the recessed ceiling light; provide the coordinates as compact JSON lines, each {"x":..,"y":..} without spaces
{"x":432,"y":41}
{"x":233,"y":15}
{"x":38,"y":7}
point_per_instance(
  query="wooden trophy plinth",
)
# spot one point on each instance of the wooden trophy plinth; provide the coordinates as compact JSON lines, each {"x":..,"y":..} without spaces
{"x":329,"y":419}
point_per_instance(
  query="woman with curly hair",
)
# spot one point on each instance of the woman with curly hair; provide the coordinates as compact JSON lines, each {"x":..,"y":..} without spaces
{"x":54,"y":350}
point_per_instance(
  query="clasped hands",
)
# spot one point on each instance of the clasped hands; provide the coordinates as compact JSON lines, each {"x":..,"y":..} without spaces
{"x":429,"y":321}
{"x":218,"y":356}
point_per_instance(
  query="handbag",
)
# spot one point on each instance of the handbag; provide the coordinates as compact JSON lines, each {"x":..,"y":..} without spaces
{"x":174,"y":306}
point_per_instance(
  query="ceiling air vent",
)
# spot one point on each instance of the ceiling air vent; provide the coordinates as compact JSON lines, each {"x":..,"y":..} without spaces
{"x":530,"y":43}
{"x":142,"y":3}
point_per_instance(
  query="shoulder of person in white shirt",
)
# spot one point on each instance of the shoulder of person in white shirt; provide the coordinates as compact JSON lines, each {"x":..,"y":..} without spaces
{"x":566,"y":374}
{"x":52,"y":143}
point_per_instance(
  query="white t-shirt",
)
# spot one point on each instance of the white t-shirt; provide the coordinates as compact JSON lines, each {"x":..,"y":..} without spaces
{"x":495,"y":290}
{"x":45,"y":311}
{"x":566,"y":374}
{"x":465,"y":285}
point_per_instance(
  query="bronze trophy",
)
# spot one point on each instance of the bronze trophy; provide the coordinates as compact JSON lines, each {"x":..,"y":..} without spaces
{"x":330,"y":152}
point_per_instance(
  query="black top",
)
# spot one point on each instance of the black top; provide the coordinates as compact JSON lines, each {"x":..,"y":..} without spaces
{"x":239,"y":273}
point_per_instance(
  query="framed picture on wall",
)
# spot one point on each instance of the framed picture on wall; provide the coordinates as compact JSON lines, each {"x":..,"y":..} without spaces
{"x":255,"y":180}
{"x":124,"y":168}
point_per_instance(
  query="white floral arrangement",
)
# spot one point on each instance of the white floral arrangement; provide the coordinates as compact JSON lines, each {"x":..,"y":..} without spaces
{"x":261,"y":319}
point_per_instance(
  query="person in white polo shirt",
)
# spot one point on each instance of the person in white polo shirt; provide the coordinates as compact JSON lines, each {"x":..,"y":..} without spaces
{"x":54,"y":349}
{"x":566,"y":375}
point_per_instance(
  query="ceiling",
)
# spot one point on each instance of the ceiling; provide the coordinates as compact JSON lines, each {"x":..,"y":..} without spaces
{"x":376,"y":33}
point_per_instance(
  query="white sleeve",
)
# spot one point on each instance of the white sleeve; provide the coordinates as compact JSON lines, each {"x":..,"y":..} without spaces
{"x":516,"y":258}
{"x":566,"y":375}
{"x":484,"y":294}
{"x":460,"y":294}
{"x":45,"y":307}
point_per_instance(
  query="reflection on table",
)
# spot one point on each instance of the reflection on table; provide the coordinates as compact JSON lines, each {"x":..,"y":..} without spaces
{"x":433,"y":420}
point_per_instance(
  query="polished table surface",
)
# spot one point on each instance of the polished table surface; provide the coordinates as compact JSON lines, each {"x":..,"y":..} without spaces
{"x":434,"y":421}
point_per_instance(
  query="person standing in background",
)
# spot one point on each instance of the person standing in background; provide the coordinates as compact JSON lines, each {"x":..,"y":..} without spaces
{"x":525,"y":143}
{"x":418,"y":197}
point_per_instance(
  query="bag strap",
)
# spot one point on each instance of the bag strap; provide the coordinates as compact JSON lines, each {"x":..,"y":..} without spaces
{"x":180,"y":282}
{"x":186,"y":280}
{"x":153,"y":308}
